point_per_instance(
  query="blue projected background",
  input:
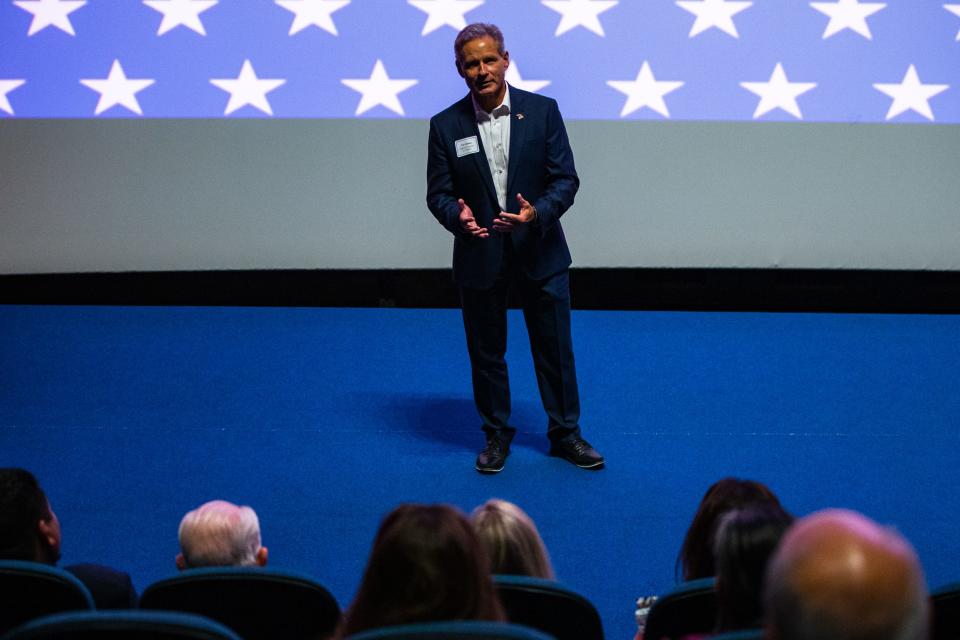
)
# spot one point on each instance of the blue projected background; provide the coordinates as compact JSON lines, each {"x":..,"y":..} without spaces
{"x":788,"y":60}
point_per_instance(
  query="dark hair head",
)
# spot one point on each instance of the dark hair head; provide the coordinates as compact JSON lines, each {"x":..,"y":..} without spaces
{"x":425,"y":565}
{"x":745,"y":541}
{"x":22,"y":505}
{"x":696,"y":555}
{"x":475,"y":31}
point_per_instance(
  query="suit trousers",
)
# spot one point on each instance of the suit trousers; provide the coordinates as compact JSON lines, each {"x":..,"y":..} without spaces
{"x":546,"y":312}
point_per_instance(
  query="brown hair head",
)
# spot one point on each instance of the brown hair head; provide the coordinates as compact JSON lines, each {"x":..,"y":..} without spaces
{"x":696,"y":555}
{"x":425,"y":565}
{"x":745,"y":541}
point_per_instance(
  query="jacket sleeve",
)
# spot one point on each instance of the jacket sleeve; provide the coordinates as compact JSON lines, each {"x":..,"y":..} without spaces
{"x":441,"y":199}
{"x":561,"y":179}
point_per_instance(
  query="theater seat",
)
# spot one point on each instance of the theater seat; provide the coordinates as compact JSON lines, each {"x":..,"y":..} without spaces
{"x":125,"y":625}
{"x":257,"y":603}
{"x":689,"y":608}
{"x":744,"y":634}
{"x":29,"y":590}
{"x":548,"y":606}
{"x":454,"y":630}
{"x":945,"y":609}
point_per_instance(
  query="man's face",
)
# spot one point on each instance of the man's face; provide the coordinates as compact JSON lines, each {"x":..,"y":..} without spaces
{"x":483,"y":68}
{"x":49,"y":529}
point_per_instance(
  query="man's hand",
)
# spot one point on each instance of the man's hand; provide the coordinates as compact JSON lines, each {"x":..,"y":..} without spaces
{"x":507,"y":222}
{"x":468,"y":223}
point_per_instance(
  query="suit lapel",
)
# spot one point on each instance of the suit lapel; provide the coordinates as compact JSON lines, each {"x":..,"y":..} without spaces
{"x":518,"y":138}
{"x":468,"y":128}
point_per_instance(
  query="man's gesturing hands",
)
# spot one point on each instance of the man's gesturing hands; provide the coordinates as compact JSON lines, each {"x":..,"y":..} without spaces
{"x":507,"y":222}
{"x":468,"y":223}
{"x":504,"y":223}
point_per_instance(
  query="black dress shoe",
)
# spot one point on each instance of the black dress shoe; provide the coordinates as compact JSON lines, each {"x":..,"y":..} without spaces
{"x":494,"y":455}
{"x":578,"y":451}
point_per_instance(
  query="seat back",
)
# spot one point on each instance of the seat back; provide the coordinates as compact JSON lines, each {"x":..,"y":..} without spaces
{"x":255,"y":602}
{"x":945,"y":610}
{"x":122,"y":624}
{"x":548,"y":606}
{"x":743,"y":634}
{"x":453,"y":630}
{"x":690,"y":607}
{"x":29,"y":590}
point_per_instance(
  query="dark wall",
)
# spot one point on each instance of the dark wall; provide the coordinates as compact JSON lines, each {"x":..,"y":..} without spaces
{"x":636,"y":289}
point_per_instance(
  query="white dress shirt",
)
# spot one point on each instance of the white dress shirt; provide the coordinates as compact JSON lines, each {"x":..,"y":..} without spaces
{"x":495,"y":135}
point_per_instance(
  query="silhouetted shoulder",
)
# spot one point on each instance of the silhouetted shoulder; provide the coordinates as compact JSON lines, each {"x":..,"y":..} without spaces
{"x":111,"y":589}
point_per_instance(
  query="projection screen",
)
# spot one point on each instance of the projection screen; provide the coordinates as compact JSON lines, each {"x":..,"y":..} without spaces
{"x":250,"y":134}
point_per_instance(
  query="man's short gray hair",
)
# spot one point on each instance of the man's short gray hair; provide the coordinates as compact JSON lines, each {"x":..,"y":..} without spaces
{"x":220,"y":534}
{"x":475,"y":31}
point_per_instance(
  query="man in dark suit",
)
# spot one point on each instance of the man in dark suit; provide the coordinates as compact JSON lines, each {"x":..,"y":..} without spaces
{"x":500,"y":173}
{"x":29,"y":530}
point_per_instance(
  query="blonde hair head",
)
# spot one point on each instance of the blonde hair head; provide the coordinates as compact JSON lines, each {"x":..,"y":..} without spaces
{"x":511,"y":540}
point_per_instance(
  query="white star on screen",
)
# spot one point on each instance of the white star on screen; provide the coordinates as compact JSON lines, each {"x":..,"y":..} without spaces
{"x":117,"y":88}
{"x":955,"y":10}
{"x":580,"y":13}
{"x":379,"y":89}
{"x":48,"y":13}
{"x":848,"y":14}
{"x":645,"y":91}
{"x":316,"y":13}
{"x":181,"y":12}
{"x":778,"y":93}
{"x":514,"y":79}
{"x":6,"y":86}
{"x":247,"y":89}
{"x":714,"y":13}
{"x":911,"y":94}
{"x":442,"y":13}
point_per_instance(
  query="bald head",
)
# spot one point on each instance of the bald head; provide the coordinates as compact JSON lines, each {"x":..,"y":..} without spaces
{"x":839,"y":576}
{"x":220,"y":534}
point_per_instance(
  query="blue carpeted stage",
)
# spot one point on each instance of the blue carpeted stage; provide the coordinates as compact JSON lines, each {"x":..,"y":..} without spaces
{"x":324,"y":419}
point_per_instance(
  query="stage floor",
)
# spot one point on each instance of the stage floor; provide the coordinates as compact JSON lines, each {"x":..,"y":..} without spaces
{"x":324,"y":419}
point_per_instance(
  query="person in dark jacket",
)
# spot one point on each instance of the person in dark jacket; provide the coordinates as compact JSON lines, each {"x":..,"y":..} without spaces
{"x":30,"y":531}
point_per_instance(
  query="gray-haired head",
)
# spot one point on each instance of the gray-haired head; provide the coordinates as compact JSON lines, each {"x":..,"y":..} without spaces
{"x":219,"y":534}
{"x":475,"y":31}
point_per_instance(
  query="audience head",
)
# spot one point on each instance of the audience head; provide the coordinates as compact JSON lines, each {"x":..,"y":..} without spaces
{"x":511,"y":540}
{"x":746,"y":540}
{"x":696,"y":555}
{"x":426,"y":565}
{"x":220,"y":534}
{"x":29,"y":529}
{"x":838,"y":575}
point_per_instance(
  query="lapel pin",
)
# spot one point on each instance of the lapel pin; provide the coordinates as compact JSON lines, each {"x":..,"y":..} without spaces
{"x":519,"y":116}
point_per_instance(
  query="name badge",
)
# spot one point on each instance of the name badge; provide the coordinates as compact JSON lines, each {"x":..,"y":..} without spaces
{"x":466,"y":146}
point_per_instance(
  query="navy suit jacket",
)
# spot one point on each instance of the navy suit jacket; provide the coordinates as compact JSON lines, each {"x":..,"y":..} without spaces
{"x":111,"y":589}
{"x":540,"y":167}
